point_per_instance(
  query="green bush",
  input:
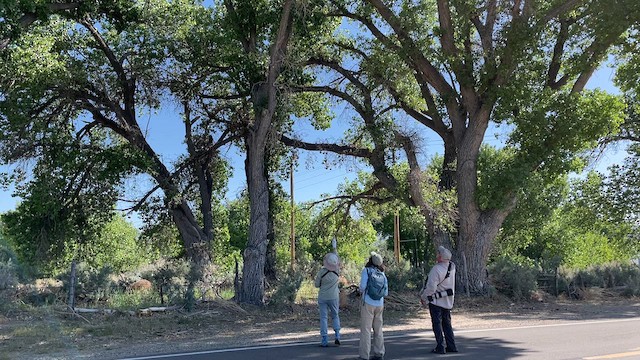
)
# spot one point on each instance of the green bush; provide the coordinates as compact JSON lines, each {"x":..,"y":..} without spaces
{"x":92,"y":285}
{"x":403,"y":277}
{"x":632,"y":285}
{"x":8,"y":275}
{"x":513,"y":276}
{"x":10,"y":269}
{"x":170,"y":279}
{"x":287,"y":288}
{"x":604,"y":276}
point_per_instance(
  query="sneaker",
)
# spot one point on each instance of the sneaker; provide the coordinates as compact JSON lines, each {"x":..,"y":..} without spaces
{"x":324,"y":344}
{"x":337,"y":342}
{"x":438,"y":351}
{"x":451,"y":350}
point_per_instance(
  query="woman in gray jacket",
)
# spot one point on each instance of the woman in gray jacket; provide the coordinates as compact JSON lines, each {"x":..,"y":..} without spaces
{"x":329,"y":296}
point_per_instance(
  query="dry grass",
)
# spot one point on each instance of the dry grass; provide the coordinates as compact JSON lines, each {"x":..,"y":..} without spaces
{"x":52,"y":331}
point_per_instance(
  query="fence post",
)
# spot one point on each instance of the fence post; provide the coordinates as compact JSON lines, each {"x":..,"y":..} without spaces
{"x":72,"y":286}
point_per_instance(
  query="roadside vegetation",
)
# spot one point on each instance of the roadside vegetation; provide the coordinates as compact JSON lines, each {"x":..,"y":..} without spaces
{"x":112,"y":236}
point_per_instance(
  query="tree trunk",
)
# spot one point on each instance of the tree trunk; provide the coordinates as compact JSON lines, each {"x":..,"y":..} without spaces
{"x":270,"y":260}
{"x":477,"y":228}
{"x":195,"y":241}
{"x":264,"y":100}
{"x":256,"y":250}
{"x":72,"y":286}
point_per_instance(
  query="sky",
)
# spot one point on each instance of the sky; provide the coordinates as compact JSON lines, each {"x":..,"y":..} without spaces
{"x":311,"y":178}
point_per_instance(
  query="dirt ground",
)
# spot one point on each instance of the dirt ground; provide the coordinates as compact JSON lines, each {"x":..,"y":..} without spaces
{"x":58,"y":334}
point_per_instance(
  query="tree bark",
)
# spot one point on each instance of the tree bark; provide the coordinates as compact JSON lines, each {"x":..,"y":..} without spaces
{"x":264,"y":100}
{"x":255,"y":252}
{"x":270,"y":260}
{"x":196,"y":243}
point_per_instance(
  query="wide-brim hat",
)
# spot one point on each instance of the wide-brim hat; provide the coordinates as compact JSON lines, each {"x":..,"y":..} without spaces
{"x":331,"y":262}
{"x":445,"y":254}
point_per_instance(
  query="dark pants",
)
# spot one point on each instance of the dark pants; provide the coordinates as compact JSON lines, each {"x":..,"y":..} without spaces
{"x":441,"y":323}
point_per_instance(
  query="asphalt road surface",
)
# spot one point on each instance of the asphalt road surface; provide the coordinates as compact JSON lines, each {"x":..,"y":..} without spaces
{"x":588,"y":340}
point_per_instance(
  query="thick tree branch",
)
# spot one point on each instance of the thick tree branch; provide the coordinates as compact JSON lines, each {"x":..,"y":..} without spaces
{"x":556,"y":59}
{"x":334,"y":148}
{"x":337,"y":93}
{"x":128,"y":85}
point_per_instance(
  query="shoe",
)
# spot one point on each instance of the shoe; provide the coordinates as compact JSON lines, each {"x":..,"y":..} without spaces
{"x":337,"y":342}
{"x":436,"y":351}
{"x":377,"y":358}
{"x":324,"y":345}
{"x":451,"y":350}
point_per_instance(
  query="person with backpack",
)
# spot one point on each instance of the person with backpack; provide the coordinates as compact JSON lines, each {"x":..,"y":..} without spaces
{"x":373,"y":287}
{"x":329,"y":296}
{"x":438,"y":292}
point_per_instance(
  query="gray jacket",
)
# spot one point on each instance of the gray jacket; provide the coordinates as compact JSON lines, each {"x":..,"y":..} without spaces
{"x":328,"y":285}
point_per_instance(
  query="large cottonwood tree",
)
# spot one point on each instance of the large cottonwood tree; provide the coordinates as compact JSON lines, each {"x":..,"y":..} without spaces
{"x":456,"y":66}
{"x":98,"y":66}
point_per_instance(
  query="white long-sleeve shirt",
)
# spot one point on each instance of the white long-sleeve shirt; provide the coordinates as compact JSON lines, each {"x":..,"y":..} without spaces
{"x":436,"y":282}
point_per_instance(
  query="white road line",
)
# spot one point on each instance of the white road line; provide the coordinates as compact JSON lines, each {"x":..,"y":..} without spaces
{"x":428,"y":332}
{"x":614,"y":356}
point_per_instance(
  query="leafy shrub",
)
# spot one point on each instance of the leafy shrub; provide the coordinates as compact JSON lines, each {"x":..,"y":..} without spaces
{"x":632,"y":285}
{"x":169,"y":277}
{"x":10,"y":270}
{"x":402,"y":276}
{"x":351,"y":271}
{"x":513,"y":276}
{"x":8,"y":275}
{"x":287,"y":288}
{"x":92,"y":285}
{"x":132,"y":300}
{"x":605,"y":276}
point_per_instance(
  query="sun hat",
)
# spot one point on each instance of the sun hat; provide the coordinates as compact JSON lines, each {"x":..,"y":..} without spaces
{"x":376,"y":258}
{"x":444,"y":253}
{"x":331,"y":262}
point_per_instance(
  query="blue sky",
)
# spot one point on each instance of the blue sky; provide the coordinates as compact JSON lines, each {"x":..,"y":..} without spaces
{"x":311,"y":178}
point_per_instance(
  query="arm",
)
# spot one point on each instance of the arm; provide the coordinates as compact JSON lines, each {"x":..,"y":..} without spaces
{"x":432,"y":282}
{"x":319,"y":278}
{"x":364,"y":278}
{"x":386,"y":286}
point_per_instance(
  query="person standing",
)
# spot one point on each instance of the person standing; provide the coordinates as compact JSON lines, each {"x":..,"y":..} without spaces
{"x":373,"y":287}
{"x":329,"y":296}
{"x":438,"y":292}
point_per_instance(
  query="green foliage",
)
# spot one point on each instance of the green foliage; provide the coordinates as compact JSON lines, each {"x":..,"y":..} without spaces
{"x":609,"y":275}
{"x":92,"y":284}
{"x":513,"y":276}
{"x":129,"y":301}
{"x":11,"y":271}
{"x":402,"y":276}
{"x":118,"y":247}
{"x":170,"y":278}
{"x":287,"y":288}
{"x":581,"y":224}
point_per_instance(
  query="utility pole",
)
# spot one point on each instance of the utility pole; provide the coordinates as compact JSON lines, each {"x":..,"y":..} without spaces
{"x":396,"y":236}
{"x":293,"y":219}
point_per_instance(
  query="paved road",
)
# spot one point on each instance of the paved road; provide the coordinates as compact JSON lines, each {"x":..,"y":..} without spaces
{"x":588,"y":340}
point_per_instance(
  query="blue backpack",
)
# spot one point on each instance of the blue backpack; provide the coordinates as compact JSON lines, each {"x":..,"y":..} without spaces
{"x":376,"y":285}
